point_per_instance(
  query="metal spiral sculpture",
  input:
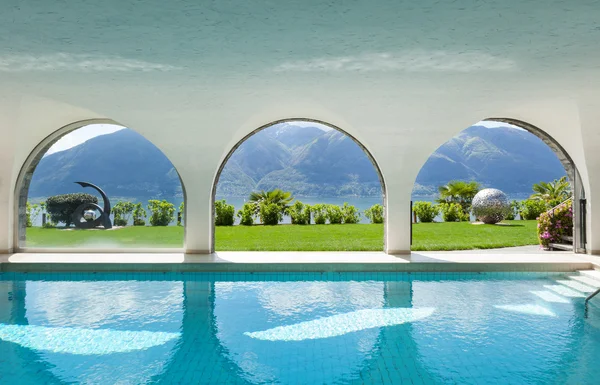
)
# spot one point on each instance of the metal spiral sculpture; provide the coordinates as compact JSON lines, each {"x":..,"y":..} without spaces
{"x":102,"y":220}
{"x":490,"y":206}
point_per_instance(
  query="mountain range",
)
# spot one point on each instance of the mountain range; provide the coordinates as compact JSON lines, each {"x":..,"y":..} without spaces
{"x":307,"y":160}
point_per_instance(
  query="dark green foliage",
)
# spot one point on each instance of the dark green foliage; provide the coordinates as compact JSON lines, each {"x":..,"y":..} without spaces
{"x":281,"y":198}
{"x":299,"y":213}
{"x":350,"y":214}
{"x":553,"y":193}
{"x":224,"y":213}
{"x":61,"y":207}
{"x":138,"y":215}
{"x":532,"y":208}
{"x":246,"y":214}
{"x":319,"y":213}
{"x":426,"y":212}
{"x":161,"y":212}
{"x":459,"y":192}
{"x":375,"y":213}
{"x":270,"y":214}
{"x":453,"y":212}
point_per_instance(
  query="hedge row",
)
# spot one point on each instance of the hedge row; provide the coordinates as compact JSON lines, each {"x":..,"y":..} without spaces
{"x":60,"y":209}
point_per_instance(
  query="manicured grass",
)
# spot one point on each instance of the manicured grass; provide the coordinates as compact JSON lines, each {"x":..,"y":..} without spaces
{"x":426,"y":236}
{"x":465,"y":236}
{"x":301,"y":238}
{"x":171,"y":236}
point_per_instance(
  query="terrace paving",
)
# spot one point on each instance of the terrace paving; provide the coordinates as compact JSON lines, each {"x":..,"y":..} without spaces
{"x":511,"y":259}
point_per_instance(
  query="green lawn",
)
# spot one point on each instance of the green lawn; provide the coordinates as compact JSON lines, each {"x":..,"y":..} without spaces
{"x":171,"y":236}
{"x":426,"y":236}
{"x":303,"y":238}
{"x":465,"y":236}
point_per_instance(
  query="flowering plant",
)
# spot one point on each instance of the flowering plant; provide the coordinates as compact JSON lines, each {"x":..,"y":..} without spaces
{"x":555,"y":223}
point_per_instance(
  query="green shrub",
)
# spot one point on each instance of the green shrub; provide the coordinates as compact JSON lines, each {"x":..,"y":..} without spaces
{"x":319,"y":213}
{"x":224,"y":213}
{"x":61,"y":207}
{"x":350,"y":214}
{"x":514,"y":211}
{"x":532,"y":208}
{"x":246,"y":214}
{"x":181,"y":218}
{"x":554,"y":224}
{"x":453,"y":212}
{"x":122,"y":212}
{"x":49,"y":225}
{"x":299,"y":213}
{"x":138,"y":215}
{"x":33,"y":211}
{"x":161,"y":212}
{"x":426,"y":212}
{"x":270,"y":214}
{"x":375,"y":213}
{"x":334,"y":214}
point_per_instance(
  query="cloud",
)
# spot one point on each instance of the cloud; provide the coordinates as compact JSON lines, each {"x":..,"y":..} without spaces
{"x":495,"y":124}
{"x":76,"y":62}
{"x":81,"y":135}
{"x":410,"y":61}
{"x":304,"y":124}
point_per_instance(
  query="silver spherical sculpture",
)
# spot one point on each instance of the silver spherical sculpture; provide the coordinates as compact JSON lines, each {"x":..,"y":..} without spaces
{"x":89,"y":215}
{"x":490,"y":206}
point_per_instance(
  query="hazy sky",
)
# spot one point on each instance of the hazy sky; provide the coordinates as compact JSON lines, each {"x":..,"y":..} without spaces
{"x":81,"y":135}
{"x":85,"y":133}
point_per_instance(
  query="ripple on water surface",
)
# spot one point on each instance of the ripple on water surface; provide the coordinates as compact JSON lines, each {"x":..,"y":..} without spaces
{"x":391,"y":328}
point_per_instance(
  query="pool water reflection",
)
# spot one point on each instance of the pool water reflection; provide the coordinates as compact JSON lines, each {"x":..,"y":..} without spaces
{"x":337,"y":328}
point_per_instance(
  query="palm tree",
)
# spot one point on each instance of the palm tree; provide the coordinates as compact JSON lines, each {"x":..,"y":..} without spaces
{"x":279,"y":197}
{"x":552,"y":192}
{"x":458,"y":191}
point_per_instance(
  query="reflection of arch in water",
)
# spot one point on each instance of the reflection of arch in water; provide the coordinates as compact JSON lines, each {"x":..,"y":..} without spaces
{"x":14,"y":312}
{"x":278,"y":303}
{"x":397,"y":294}
{"x":57,"y":304}
{"x":480,"y":332}
{"x":28,"y":169}
{"x":198,"y":306}
{"x":291,"y":120}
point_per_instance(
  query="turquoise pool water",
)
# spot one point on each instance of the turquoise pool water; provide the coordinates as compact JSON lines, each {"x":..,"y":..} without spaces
{"x":263,"y":328}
